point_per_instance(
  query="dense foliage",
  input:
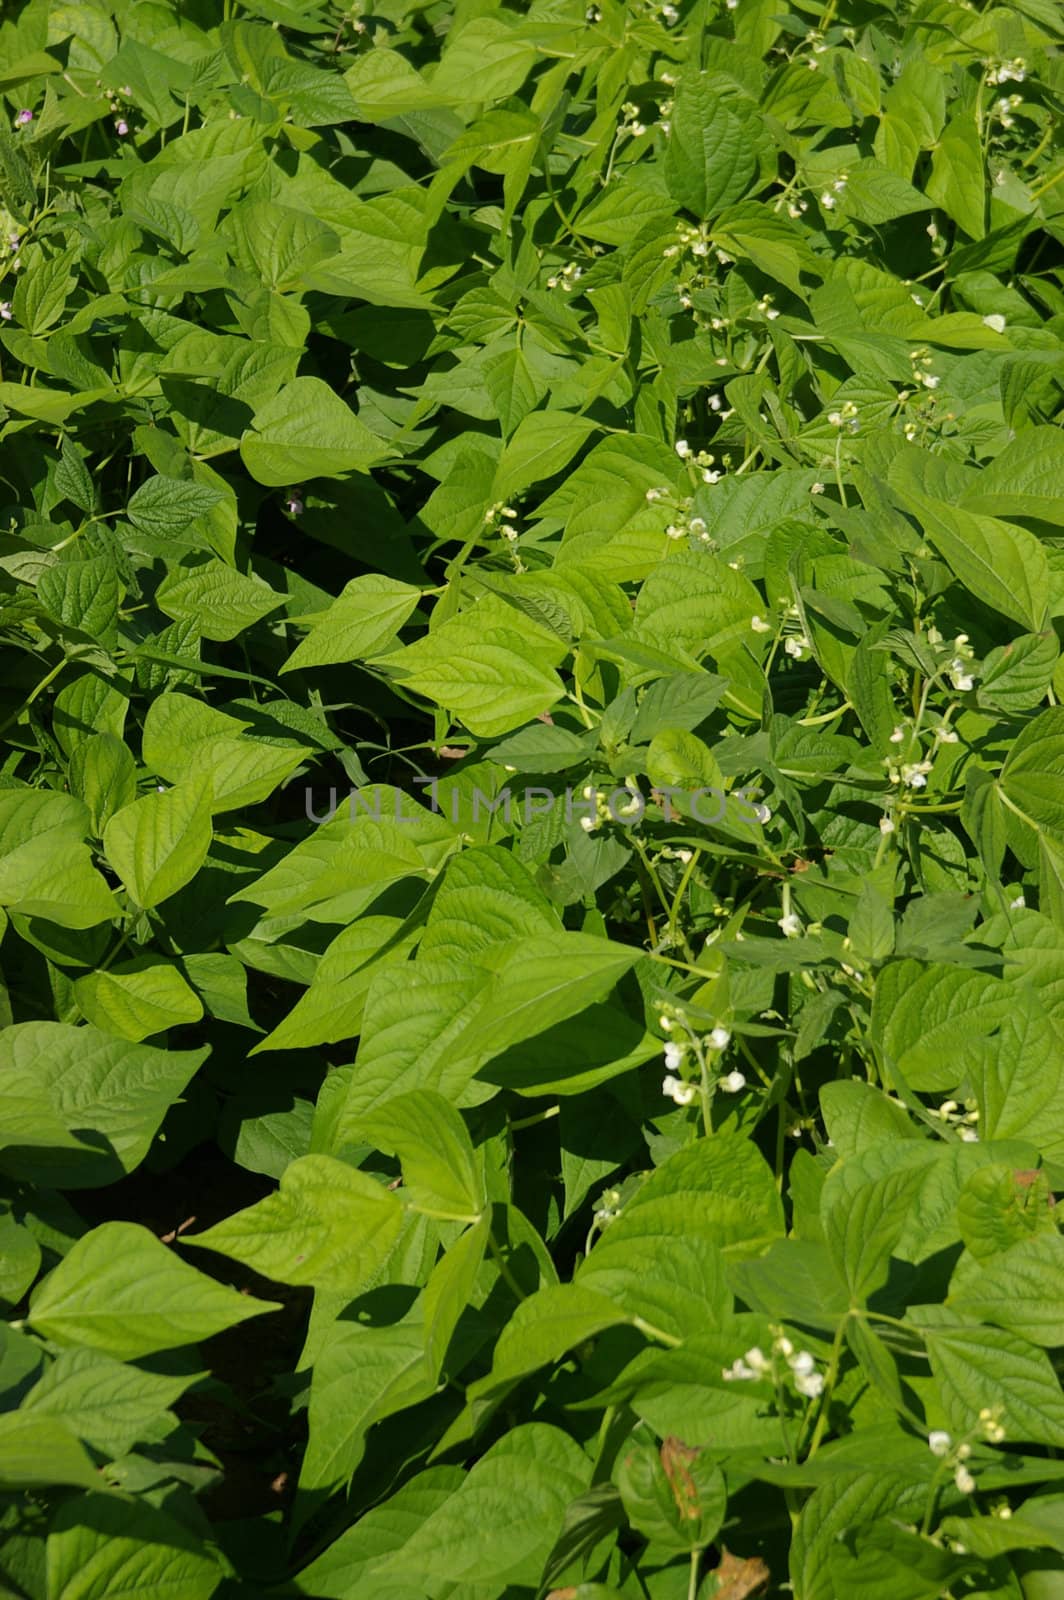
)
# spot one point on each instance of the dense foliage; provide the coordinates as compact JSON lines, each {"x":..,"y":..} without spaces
{"x":532,"y":800}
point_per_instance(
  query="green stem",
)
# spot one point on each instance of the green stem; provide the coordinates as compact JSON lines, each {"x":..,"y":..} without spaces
{"x":45,"y":681}
{"x":829,"y":1389}
{"x":504,"y":1269}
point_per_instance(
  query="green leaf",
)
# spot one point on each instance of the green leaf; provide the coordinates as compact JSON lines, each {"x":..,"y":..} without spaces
{"x":307,"y":431}
{"x":104,"y":775}
{"x":1031,"y":776}
{"x":361,"y":1375}
{"x":108,"y":1404}
{"x":122,"y":1547}
{"x":120,"y":1291}
{"x":449,"y":1291}
{"x":327,"y":1225}
{"x":709,"y":159}
{"x":168,"y":507}
{"x":221,"y":601}
{"x":501,"y":1524}
{"x":20,"y":1258}
{"x":958,"y":180}
{"x":138,"y":998}
{"x":441,"y":1172}
{"x":490,"y":666}
{"x":674,"y":1495}
{"x":864,"y":1217}
{"x":80,"y":1106}
{"x":366,"y":614}
{"x":1001,"y":564}
{"x":83,"y":596}
{"x":978,"y":1368}
{"x":158,"y":844}
{"x":1021,"y":1291}
{"x":923,"y":1015}
{"x":37,"y":1451}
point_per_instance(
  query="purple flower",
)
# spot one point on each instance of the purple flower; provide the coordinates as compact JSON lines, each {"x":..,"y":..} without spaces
{"x":22,"y":118}
{"x":294,"y":505}
{"x":121,"y":127}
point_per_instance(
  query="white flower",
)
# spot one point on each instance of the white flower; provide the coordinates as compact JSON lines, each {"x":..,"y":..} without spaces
{"x":674,"y":1054}
{"x":697,"y":525}
{"x":665,"y":1024}
{"x":969,"y":1136}
{"x":508,"y":531}
{"x":757,"y":1359}
{"x":939,"y":1442}
{"x":816,"y":488}
{"x":897,"y":735}
{"x":1017,"y":904}
{"x":886,"y":825}
{"x":5,"y":310}
{"x":733,"y":1082}
{"x":993,"y":1431}
{"x":964,"y":1480}
{"x":674,"y":532}
{"x":759,"y":625}
{"x":655,"y":494}
{"x":930,"y":381}
{"x":720,"y":1038}
{"x":700,"y":248}
{"x":811,"y":1387}
{"x":764,"y":814}
{"x":797,"y":646}
{"x":840,"y":183}
{"x":710,"y":477}
{"x":960,"y":679}
{"x":827,"y":199}
{"x":791,"y":925}
{"x":738,"y":1372}
{"x":683,"y":449}
{"x":588,"y":824}
{"x":995,"y":321}
{"x":669,"y":15}
{"x":835,"y":418}
{"x":675,"y":1089}
{"x":802,"y":1364}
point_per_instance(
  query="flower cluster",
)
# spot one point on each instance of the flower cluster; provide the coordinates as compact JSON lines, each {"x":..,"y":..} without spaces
{"x":940,"y":1443}
{"x":567,"y":278}
{"x":686,"y":1049}
{"x":609,"y":1208}
{"x":1014,"y":71}
{"x":700,"y":459}
{"x":499,"y":518}
{"x":827,"y":198}
{"x":961,"y":1118}
{"x":1005,"y":106}
{"x":845,"y":417}
{"x":754,"y":1364}
{"x":691,"y":249}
